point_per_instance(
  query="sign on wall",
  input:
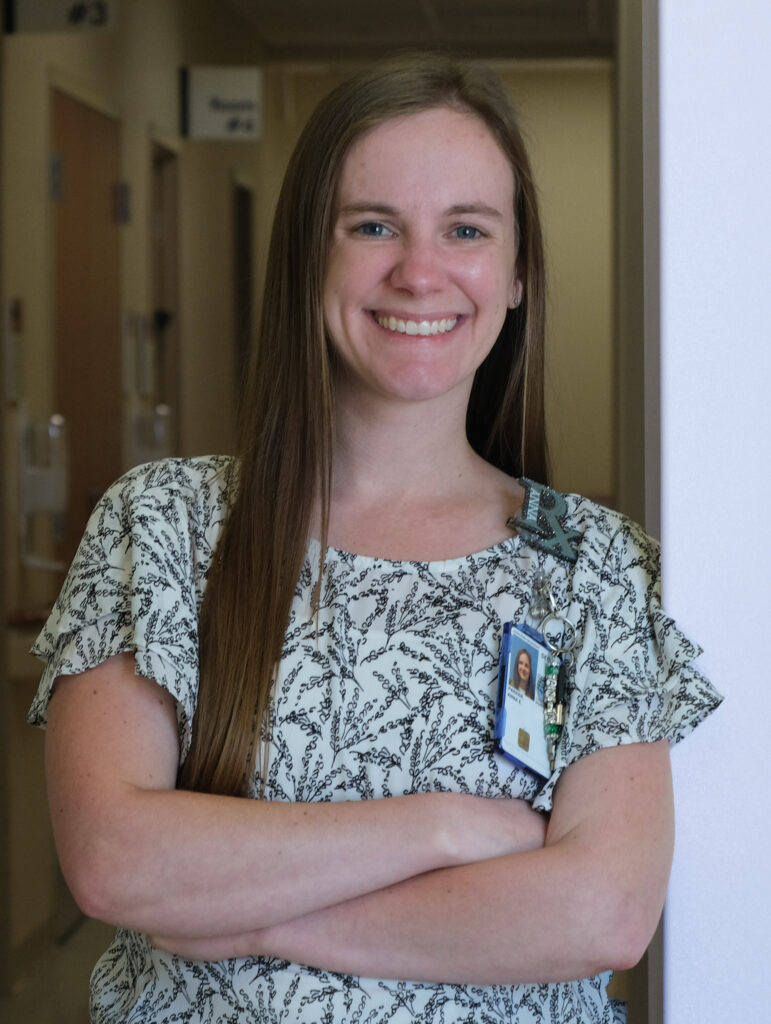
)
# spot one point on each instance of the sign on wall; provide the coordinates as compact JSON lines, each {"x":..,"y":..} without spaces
{"x":57,"y":15}
{"x":222,"y":103}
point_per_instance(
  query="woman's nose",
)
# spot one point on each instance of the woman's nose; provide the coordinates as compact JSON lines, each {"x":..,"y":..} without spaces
{"x":419,"y":268}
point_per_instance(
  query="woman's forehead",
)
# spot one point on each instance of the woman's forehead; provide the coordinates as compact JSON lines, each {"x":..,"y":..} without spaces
{"x":436,"y":152}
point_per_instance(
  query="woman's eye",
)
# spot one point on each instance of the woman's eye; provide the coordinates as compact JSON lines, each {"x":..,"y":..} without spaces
{"x":466,"y":232}
{"x":373,"y":229}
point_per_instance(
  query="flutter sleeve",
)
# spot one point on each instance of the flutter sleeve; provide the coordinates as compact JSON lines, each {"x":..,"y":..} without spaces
{"x":137,"y":581}
{"x":634,"y":678}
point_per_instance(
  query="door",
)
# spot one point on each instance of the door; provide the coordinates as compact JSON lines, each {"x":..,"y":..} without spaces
{"x":85,"y":169}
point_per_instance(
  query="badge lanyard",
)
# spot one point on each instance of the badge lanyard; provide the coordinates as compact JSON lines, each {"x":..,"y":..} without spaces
{"x":555,"y":693}
{"x":542,"y":526}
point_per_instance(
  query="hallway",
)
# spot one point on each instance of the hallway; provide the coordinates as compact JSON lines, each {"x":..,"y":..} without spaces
{"x":178,"y":330}
{"x":55,"y":989}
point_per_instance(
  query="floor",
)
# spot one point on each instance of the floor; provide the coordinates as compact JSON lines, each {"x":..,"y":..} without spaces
{"x":55,"y":990}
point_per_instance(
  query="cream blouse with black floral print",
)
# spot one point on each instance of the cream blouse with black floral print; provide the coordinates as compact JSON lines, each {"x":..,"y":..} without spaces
{"x":390,"y":691}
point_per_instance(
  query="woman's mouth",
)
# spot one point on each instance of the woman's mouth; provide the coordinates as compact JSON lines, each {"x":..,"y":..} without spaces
{"x":422,"y":327}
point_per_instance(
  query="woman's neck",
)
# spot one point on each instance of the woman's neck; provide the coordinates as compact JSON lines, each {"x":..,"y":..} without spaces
{"x":413,"y":450}
{"x":407,"y":484}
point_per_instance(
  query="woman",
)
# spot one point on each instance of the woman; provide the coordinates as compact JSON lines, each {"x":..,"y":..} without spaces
{"x":524,"y":676}
{"x":320,"y":829}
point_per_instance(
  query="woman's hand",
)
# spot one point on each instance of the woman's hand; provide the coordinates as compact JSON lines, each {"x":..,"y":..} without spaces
{"x":481,"y":828}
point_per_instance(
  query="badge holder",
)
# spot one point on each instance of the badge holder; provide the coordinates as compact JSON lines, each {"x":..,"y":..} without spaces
{"x":520,"y":710}
{"x":532,"y":692}
{"x":534,"y":664}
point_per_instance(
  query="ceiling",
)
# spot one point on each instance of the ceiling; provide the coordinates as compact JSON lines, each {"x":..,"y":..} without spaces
{"x":324,"y":29}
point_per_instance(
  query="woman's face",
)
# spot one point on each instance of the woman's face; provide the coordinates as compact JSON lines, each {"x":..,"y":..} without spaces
{"x":523,"y":666}
{"x":422,"y":264}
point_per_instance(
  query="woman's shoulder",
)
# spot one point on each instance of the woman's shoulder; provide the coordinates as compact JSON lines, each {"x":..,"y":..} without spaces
{"x":198,"y":489}
{"x":567,"y":525}
{"x":175,"y":505}
{"x":599,"y":518}
{"x":153,"y":531}
{"x":192,"y":478}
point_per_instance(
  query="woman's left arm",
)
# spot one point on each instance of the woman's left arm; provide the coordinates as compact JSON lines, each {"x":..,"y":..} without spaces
{"x":588,"y":901}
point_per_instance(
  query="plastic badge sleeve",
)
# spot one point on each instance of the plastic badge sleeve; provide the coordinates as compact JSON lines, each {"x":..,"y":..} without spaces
{"x":519,"y":723}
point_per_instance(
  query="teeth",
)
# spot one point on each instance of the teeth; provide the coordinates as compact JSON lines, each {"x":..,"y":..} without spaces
{"x":422,"y":327}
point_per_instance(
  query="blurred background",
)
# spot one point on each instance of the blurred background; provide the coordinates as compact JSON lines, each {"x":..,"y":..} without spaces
{"x":142,"y":144}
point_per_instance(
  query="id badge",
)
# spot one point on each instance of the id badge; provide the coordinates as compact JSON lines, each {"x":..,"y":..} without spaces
{"x":519,"y":709}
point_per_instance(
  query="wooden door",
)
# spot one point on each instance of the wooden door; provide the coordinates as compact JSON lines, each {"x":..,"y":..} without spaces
{"x":85,"y":171}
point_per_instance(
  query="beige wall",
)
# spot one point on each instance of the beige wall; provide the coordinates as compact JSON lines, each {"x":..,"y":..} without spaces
{"x":566,"y":112}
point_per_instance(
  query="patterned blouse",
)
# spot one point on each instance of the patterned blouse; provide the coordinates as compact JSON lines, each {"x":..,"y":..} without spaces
{"x":394,"y":694}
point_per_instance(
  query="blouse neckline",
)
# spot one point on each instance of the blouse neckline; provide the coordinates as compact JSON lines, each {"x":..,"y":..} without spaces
{"x":501,"y":548}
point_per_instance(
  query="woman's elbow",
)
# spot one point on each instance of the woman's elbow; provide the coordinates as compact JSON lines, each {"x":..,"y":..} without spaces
{"x":92,"y":898}
{"x":97,"y":870}
{"x":93,"y":885}
{"x":629,"y":926}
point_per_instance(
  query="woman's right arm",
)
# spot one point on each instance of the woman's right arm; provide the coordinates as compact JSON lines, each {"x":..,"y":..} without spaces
{"x":138,"y":853}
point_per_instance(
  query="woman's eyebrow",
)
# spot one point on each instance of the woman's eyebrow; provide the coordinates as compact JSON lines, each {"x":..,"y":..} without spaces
{"x":481,"y":209}
{"x":365,"y":207}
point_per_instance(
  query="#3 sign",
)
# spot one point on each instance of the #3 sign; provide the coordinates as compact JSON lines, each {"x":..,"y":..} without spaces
{"x":58,"y":15}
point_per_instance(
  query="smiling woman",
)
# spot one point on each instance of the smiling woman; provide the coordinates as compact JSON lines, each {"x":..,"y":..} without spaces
{"x":421,"y":249}
{"x":271,"y":681}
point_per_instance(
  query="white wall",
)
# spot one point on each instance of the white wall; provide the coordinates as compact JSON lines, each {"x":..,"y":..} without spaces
{"x":716,"y":494}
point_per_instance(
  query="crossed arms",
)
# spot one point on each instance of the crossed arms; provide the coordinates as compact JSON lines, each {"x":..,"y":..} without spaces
{"x":436,"y":887}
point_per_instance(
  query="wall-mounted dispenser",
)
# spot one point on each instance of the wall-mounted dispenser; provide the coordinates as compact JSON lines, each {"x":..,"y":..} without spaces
{"x":149,"y":434}
{"x":43,"y":487}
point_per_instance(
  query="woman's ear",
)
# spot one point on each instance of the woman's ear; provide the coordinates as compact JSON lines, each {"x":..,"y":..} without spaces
{"x":515,"y":292}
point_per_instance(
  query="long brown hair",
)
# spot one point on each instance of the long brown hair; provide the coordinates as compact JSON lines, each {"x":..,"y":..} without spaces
{"x":286,"y":424}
